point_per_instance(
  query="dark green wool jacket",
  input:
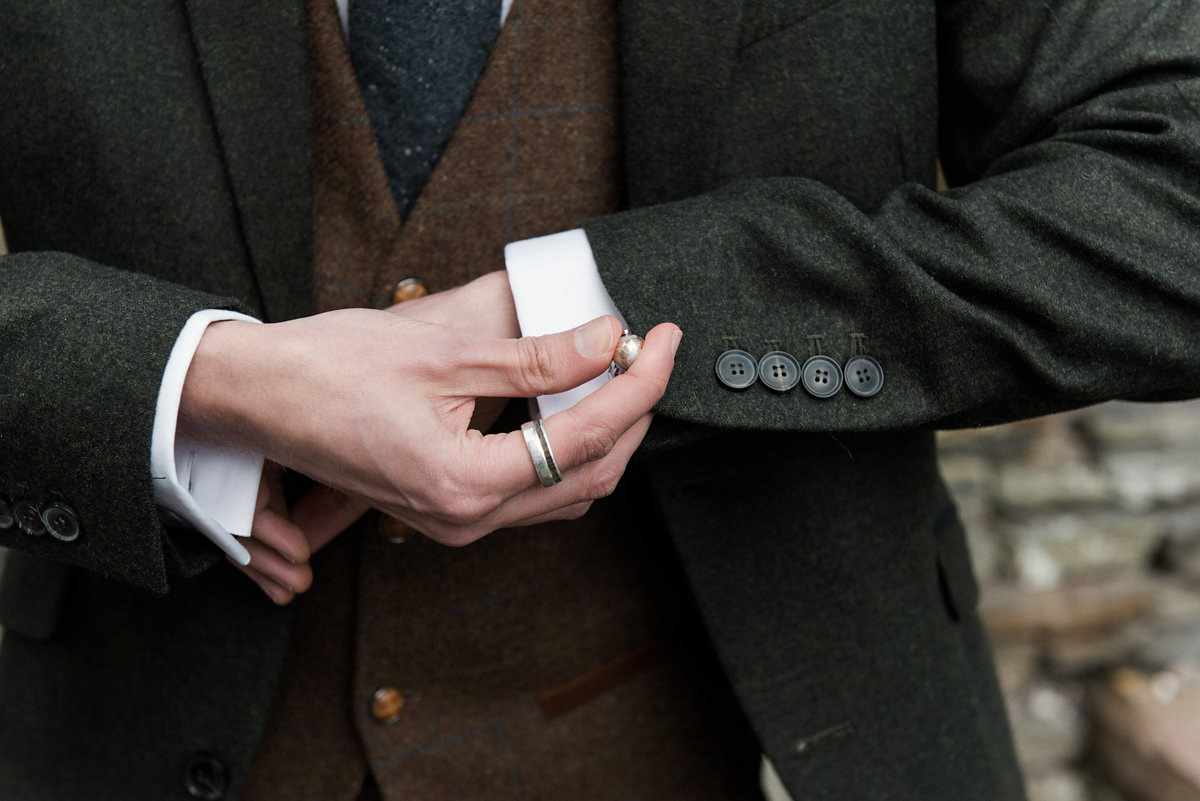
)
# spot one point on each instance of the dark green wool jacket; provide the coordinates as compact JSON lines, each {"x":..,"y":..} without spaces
{"x":155,"y":160}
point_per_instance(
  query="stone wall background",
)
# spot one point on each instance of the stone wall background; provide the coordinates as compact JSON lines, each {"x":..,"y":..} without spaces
{"x":1085,"y":534}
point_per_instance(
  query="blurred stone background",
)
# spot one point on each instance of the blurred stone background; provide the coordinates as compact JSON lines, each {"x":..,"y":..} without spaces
{"x":1085,"y":534}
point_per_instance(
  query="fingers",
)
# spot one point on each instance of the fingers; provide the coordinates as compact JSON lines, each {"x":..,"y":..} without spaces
{"x":273,"y":530}
{"x":279,"y":551}
{"x":280,"y":548}
{"x":482,"y":494}
{"x":536,"y":504}
{"x":583,"y":484}
{"x":280,"y":579}
{"x":592,"y":428}
{"x":403,"y":455}
{"x":323,"y":513}
{"x":532,"y":366}
{"x":572,"y":512}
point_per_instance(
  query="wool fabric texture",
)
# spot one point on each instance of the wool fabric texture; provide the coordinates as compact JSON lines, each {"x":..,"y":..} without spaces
{"x":474,"y":638}
{"x":417,"y":63}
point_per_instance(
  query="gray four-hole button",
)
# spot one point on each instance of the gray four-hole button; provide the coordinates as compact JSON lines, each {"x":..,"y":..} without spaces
{"x":778,"y":370}
{"x":61,"y":521}
{"x":864,"y":376}
{"x":28,"y":519}
{"x":822,"y":377}
{"x":736,"y":369}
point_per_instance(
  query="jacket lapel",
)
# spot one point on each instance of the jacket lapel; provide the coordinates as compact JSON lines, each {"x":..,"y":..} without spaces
{"x":252,"y":58}
{"x":677,"y":63}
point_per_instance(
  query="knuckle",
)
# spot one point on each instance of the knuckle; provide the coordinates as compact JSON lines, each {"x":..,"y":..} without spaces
{"x":299,"y":551}
{"x":535,"y":363}
{"x":470,"y":535}
{"x":462,"y":507}
{"x":452,"y":535}
{"x":462,"y":511}
{"x":302,"y":582}
{"x":281,"y":596}
{"x":604,"y":483}
{"x":577,"y":511}
{"x":599,"y":438}
{"x":446,"y":354}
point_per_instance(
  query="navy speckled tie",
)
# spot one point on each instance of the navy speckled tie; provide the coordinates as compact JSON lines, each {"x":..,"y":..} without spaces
{"x":417,"y":62}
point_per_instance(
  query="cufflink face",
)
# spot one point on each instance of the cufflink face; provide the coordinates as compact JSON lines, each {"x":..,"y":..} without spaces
{"x":736,"y":369}
{"x":822,"y":377}
{"x":864,"y":376}
{"x":779,"y":371}
{"x":628,"y":348}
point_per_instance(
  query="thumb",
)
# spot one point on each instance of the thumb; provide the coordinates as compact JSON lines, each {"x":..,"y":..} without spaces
{"x":531,"y":366}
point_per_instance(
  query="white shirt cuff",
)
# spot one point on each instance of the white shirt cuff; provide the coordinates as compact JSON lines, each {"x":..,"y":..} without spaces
{"x":556,"y":286}
{"x":213,"y":488}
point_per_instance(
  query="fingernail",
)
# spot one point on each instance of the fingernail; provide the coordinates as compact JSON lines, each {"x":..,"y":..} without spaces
{"x":676,"y":338}
{"x":595,"y":339}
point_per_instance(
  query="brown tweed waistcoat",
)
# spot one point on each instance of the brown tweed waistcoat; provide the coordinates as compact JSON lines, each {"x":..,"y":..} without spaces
{"x":551,"y":662}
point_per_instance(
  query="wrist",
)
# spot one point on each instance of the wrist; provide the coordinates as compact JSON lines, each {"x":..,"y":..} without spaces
{"x":212,"y":404}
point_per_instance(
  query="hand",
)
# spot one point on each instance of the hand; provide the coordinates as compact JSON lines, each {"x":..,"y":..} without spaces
{"x":484,"y":306}
{"x":278,"y":548}
{"x":376,"y":405}
{"x":281,"y":543}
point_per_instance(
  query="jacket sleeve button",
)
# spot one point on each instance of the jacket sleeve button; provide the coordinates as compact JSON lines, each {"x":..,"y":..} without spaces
{"x":736,"y":369}
{"x":205,"y":778}
{"x":822,"y":377}
{"x":61,"y":521}
{"x":864,"y":376}
{"x":778,"y":370}
{"x":27,"y":518}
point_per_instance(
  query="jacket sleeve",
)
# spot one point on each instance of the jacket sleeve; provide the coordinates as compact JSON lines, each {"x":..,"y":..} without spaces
{"x":1058,"y":270}
{"x":83,"y":352}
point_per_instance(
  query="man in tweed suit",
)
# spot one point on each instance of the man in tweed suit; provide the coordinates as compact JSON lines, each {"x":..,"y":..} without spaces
{"x":779,"y":159}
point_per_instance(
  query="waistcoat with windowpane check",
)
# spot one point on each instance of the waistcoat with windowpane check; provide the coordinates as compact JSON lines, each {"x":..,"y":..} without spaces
{"x":550,"y":662}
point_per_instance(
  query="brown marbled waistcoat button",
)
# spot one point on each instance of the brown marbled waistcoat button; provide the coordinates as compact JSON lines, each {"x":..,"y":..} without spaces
{"x":393,"y":530}
{"x":386,"y":704}
{"x":409,"y":289}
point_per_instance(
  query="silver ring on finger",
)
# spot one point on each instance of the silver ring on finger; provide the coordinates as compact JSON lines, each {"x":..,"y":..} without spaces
{"x":539,"y":450}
